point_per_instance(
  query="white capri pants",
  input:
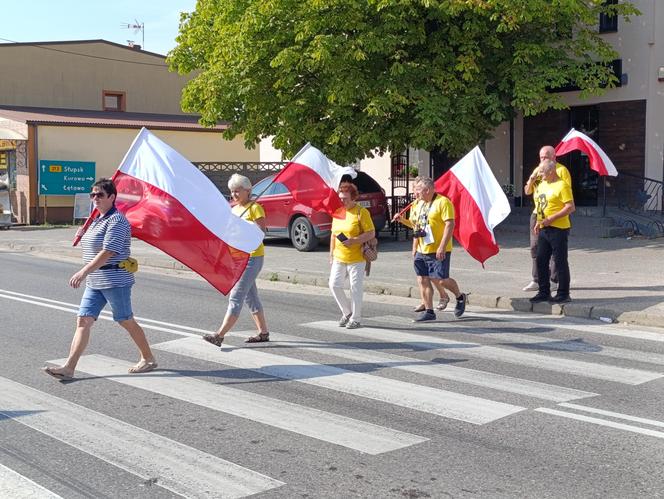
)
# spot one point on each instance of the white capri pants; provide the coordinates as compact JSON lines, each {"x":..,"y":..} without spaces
{"x":354,"y":273}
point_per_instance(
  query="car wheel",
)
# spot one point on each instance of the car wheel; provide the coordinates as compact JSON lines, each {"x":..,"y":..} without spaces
{"x":302,"y":235}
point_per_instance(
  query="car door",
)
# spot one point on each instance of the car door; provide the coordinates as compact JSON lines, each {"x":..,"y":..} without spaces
{"x":279,"y":203}
{"x":275,"y":203}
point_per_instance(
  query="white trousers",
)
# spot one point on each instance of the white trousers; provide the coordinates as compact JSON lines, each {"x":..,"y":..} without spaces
{"x":353,"y":272}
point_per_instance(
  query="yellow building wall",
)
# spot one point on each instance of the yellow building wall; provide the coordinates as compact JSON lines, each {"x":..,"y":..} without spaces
{"x":107,"y":147}
{"x":74,"y":75}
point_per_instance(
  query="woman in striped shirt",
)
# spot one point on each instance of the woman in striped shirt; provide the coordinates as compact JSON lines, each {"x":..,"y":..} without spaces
{"x":105,"y":244}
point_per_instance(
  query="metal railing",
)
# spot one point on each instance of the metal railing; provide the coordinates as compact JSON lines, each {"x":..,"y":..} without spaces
{"x":220,"y":171}
{"x":641,"y":195}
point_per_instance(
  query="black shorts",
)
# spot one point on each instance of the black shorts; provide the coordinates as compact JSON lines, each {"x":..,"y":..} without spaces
{"x":426,"y":265}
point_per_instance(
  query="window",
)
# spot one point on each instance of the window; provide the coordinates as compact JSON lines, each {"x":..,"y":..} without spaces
{"x":113,"y":101}
{"x":608,"y":23}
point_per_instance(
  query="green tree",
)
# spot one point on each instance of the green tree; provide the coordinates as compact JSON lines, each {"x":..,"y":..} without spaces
{"x":355,"y":76}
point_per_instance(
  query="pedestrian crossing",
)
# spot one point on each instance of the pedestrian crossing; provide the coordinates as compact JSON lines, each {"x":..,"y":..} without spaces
{"x":365,"y":374}
{"x":595,"y":370}
{"x":179,"y":468}
{"x":16,"y":486}
{"x":314,"y":423}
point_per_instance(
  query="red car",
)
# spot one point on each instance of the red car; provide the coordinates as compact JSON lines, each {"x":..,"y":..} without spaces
{"x":285,"y":217}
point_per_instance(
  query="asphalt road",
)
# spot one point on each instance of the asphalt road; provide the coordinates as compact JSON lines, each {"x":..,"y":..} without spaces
{"x":496,"y":404}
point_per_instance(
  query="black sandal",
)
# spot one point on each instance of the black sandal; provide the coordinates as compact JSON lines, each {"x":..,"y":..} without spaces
{"x":259,"y":338}
{"x":214,"y":339}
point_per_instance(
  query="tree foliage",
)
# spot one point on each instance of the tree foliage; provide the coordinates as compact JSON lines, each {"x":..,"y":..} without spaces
{"x":356,"y":76}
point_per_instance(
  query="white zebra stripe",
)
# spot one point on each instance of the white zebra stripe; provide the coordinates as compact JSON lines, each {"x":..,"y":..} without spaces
{"x":572,"y":323}
{"x":15,"y":486}
{"x":579,"y":368}
{"x":452,"y":405}
{"x":548,"y":343}
{"x":178,"y":467}
{"x":525,"y":387}
{"x":325,"y":426}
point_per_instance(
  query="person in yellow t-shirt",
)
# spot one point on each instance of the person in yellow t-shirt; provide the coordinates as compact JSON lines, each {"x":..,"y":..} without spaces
{"x":245,"y":290}
{"x":546,"y":152}
{"x":410,"y":223}
{"x":554,"y":204}
{"x":346,"y":258}
{"x":432,"y":247}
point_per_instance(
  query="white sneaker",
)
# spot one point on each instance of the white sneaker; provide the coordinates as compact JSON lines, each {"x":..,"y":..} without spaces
{"x":554,"y":286}
{"x":532,"y":286}
{"x":353,"y":325}
{"x":344,"y":320}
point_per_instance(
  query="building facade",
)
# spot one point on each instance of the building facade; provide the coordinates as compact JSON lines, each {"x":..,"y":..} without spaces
{"x":626,"y":121}
{"x":84,"y":101}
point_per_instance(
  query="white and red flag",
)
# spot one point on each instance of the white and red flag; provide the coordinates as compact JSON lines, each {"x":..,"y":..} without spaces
{"x":577,"y":141}
{"x":171,"y":205}
{"x":313,"y":180}
{"x":479,"y":204}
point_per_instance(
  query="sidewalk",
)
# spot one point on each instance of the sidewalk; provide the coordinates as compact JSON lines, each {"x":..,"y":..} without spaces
{"x":618,"y":279}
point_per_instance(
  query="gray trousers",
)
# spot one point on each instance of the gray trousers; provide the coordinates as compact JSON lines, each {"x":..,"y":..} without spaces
{"x":533,"y":253}
{"x":245,"y":290}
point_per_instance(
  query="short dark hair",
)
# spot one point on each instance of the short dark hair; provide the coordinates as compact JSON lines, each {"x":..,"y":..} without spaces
{"x":106,"y":185}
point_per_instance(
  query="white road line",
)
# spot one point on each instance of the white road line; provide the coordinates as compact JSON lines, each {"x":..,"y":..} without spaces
{"x":105,"y":312}
{"x":105,"y":315}
{"x":525,"y":387}
{"x":602,"y":422}
{"x":325,"y":426}
{"x":175,"y":466}
{"x":573,"y":324}
{"x":616,"y":415}
{"x":580,"y":368}
{"x":15,"y":486}
{"x":548,"y":343}
{"x":422,"y":398}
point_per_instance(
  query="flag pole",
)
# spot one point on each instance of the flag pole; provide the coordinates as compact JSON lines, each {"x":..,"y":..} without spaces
{"x":398,"y":215}
{"x":299,"y":153}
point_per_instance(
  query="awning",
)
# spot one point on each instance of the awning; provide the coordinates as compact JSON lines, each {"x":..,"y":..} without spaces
{"x":9,"y":134}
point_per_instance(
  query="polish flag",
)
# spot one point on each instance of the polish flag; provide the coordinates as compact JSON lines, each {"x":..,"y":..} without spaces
{"x":479,"y":204}
{"x":599,"y":161}
{"x":171,"y":205}
{"x":313,"y":180}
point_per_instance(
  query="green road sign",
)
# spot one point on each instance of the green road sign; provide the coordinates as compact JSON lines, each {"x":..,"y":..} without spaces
{"x":65,"y":178}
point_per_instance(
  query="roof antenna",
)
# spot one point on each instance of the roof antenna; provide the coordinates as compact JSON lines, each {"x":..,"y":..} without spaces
{"x":136,"y":26}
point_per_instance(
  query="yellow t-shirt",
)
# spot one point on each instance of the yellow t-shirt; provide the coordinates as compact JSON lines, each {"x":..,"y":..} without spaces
{"x":551,"y":198}
{"x":563,"y":174}
{"x":255,"y":212}
{"x":436,"y":214}
{"x":351,"y":226}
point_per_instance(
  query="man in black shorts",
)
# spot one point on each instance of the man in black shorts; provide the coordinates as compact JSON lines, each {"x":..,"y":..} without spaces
{"x":432,"y":247}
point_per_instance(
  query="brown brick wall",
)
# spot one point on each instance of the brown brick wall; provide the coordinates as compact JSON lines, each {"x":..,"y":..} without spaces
{"x":621,"y":135}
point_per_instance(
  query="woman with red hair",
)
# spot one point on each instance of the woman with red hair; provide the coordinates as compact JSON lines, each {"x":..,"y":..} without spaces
{"x":346,"y":257}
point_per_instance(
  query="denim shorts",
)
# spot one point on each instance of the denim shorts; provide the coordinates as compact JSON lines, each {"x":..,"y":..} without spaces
{"x":94,"y":300}
{"x":426,"y":265}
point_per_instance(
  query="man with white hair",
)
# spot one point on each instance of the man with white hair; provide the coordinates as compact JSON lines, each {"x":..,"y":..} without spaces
{"x":554,"y":204}
{"x":432,"y":247}
{"x":546,"y":152}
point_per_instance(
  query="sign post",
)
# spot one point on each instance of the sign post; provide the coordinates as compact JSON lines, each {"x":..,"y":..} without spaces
{"x":65,"y":178}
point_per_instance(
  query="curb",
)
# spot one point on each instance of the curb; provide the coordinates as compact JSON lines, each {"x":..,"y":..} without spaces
{"x":576,"y":310}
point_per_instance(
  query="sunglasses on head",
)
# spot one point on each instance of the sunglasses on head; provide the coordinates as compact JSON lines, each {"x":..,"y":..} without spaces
{"x":97,"y":195}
